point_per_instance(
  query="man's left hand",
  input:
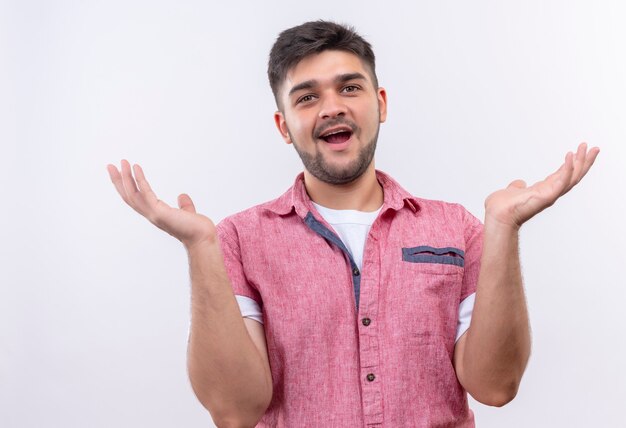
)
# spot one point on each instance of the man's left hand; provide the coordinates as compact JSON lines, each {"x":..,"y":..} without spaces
{"x":517,"y":203}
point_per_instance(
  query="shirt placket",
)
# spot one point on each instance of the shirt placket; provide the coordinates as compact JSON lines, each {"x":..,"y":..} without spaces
{"x":365,"y":293}
{"x":369,"y":353}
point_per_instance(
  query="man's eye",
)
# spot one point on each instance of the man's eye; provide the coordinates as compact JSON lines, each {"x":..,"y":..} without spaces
{"x":351,"y":88}
{"x":305,"y":99}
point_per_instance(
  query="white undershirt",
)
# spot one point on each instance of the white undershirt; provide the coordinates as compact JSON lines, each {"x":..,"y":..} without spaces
{"x":353,"y":227}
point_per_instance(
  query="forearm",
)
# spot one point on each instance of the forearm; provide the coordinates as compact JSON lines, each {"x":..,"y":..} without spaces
{"x":226,"y":370}
{"x":497,"y":346}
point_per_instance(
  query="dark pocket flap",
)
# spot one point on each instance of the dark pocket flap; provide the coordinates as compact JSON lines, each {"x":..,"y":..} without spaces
{"x":426,"y":254}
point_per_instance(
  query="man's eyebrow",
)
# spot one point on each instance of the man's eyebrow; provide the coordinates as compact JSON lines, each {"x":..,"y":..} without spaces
{"x":308,"y":84}
{"x":349,"y":76}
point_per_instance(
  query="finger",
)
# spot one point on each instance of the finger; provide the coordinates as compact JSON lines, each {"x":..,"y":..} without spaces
{"x":518,"y":184}
{"x":584,"y":160}
{"x":564,"y":170}
{"x":116,"y":178}
{"x":591,"y":157}
{"x":589,"y":160}
{"x":129,"y":183}
{"x":185,"y":203}
{"x":579,"y":161}
{"x":136,"y":199}
{"x":148,"y":201}
{"x":563,"y":176}
{"x":141,"y":180}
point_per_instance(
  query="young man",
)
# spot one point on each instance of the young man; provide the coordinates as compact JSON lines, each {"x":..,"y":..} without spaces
{"x":362,"y":304}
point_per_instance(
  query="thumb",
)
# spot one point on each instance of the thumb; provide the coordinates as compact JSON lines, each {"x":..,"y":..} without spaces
{"x":185,"y":203}
{"x":519,"y":184}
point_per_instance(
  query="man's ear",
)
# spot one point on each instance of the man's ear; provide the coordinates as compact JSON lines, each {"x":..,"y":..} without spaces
{"x":382,"y":103}
{"x":281,"y":125}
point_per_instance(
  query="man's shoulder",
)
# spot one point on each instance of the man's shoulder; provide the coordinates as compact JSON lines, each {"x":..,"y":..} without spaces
{"x":272,"y":210}
{"x":437,"y":204}
{"x":447,"y":214}
{"x":437,"y":210}
{"x":397,"y":196}
{"x":256,"y":211}
{"x":258,"y":215}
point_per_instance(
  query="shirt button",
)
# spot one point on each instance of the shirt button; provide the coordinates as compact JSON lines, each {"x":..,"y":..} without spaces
{"x":371,"y":377}
{"x":356,"y":272}
{"x":366,"y":321}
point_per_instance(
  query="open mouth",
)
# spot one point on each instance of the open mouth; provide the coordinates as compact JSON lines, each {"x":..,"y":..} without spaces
{"x":337,"y":136}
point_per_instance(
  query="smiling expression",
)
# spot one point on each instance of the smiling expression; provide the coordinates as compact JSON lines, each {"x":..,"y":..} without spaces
{"x":331,"y":112}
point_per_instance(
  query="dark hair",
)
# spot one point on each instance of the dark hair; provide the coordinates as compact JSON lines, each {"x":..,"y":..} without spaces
{"x":296,"y":43}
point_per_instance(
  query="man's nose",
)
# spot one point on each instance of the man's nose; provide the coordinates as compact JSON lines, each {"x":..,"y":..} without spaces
{"x":332,"y":106}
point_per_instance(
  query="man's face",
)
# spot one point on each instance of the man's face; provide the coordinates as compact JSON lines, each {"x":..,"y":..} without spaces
{"x":331,"y":112}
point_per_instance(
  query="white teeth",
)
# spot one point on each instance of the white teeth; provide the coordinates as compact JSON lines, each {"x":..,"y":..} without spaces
{"x":335,"y":132}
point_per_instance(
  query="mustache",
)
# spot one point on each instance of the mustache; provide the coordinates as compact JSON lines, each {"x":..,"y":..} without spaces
{"x":332,"y":123}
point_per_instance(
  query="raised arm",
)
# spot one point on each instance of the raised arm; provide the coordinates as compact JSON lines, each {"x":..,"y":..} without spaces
{"x":227,"y":357}
{"x":491,"y":357}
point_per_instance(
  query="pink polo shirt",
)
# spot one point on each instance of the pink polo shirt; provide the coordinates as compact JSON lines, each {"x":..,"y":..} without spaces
{"x":352,"y":348}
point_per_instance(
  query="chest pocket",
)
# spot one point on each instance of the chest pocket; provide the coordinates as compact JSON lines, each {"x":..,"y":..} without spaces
{"x":431,"y":255}
{"x":433,"y":278}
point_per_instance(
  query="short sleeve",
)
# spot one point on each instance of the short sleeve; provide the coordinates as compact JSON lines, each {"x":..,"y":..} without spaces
{"x":249,"y":308}
{"x":231,"y":252}
{"x":466,"y":308}
{"x":473,"y":231}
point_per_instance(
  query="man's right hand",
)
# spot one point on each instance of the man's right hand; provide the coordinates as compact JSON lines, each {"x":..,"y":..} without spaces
{"x":182,"y":223}
{"x":228,"y":361}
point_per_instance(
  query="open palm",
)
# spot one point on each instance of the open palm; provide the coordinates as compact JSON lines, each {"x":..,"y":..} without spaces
{"x":517,"y":203}
{"x":183,"y":222}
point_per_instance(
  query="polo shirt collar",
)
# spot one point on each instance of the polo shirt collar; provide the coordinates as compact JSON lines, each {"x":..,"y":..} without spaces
{"x":296,"y":198}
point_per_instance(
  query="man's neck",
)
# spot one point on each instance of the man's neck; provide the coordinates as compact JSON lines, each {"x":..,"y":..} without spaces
{"x":363,"y":194}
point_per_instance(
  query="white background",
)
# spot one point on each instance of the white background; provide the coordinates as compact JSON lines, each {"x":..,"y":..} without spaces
{"x":94,"y":301}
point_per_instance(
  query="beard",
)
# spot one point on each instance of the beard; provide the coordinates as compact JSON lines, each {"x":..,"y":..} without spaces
{"x":317,"y":165}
